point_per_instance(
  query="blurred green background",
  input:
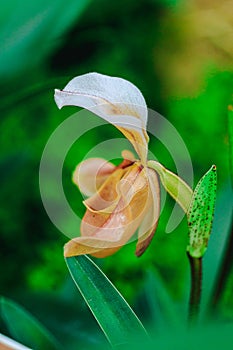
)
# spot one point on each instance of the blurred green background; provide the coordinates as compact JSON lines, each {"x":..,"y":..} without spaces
{"x":180,"y":55}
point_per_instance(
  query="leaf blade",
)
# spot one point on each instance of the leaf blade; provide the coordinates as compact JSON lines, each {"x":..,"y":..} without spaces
{"x":115,"y":317}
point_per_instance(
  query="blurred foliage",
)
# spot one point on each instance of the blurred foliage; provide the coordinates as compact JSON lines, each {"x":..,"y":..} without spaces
{"x":180,"y":56}
{"x":25,"y":328}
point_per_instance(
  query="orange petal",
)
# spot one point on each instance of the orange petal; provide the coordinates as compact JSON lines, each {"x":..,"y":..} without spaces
{"x":148,"y":227}
{"x":94,"y":247}
{"x":134,"y":188}
{"x":106,"y":201}
{"x":106,"y":239}
{"x":90,"y":174}
{"x":107,"y":195}
{"x":108,"y":233}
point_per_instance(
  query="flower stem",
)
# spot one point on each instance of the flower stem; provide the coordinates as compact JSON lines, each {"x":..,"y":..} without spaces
{"x":195,"y":292}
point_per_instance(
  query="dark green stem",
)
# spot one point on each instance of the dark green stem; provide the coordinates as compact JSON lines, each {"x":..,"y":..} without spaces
{"x":195,"y":292}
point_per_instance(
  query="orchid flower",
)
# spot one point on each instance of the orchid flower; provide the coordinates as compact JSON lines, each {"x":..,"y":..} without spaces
{"x":124,"y":198}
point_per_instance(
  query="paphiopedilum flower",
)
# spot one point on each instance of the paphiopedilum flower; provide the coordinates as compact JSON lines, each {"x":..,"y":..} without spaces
{"x":124,"y":198}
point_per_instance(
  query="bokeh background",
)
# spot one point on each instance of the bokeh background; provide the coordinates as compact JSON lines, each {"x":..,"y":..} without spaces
{"x":180,"y":55}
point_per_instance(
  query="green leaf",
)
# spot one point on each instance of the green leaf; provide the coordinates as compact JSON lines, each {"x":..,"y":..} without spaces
{"x":25,"y":328}
{"x":208,"y":337}
{"x":163,"y":310}
{"x":201,"y":212}
{"x":173,"y":184}
{"x":115,"y":317}
{"x":31,"y":32}
{"x":230,"y":135}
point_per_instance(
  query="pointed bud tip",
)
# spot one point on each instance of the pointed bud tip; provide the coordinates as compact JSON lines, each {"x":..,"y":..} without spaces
{"x":214,"y":167}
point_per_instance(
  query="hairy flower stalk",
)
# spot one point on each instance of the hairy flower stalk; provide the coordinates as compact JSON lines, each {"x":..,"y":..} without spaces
{"x":124,"y":198}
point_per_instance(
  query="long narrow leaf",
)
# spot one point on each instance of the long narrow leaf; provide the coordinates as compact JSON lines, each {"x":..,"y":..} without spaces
{"x":114,"y":315}
{"x":25,"y":328}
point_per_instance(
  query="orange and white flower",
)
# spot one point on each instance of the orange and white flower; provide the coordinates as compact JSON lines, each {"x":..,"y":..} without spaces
{"x":126,"y":197}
